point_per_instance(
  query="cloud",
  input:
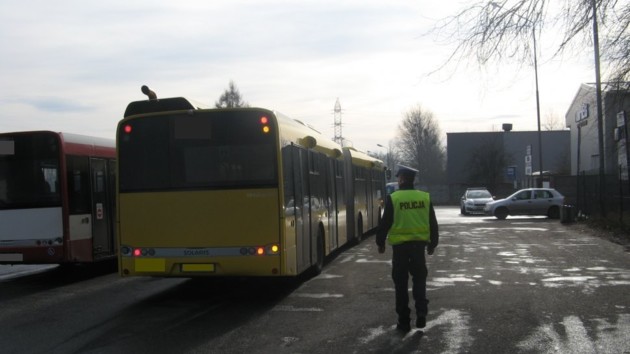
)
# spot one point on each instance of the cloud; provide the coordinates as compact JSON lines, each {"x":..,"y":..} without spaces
{"x":72,"y":57}
{"x":51,"y":104}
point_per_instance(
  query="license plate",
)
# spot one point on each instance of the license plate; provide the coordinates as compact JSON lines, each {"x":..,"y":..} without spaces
{"x":197,"y":267}
{"x":11,"y":257}
{"x":150,"y":264}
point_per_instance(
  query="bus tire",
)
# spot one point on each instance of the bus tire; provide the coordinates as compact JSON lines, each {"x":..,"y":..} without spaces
{"x":359,"y":235}
{"x":319,"y":262}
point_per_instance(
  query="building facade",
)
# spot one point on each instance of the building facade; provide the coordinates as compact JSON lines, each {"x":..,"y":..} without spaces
{"x":506,"y":160}
{"x":581,"y":119}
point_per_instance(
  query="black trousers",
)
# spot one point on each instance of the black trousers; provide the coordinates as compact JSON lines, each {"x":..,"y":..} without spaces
{"x":409,"y":258}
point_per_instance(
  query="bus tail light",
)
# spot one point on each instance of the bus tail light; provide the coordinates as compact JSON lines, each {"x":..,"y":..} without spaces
{"x":268,"y":250}
{"x":139,"y":252}
{"x":271,"y":250}
{"x":265,"y":124}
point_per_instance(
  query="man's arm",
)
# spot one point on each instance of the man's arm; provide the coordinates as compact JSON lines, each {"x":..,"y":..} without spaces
{"x":435,"y":232}
{"x":386,"y":223}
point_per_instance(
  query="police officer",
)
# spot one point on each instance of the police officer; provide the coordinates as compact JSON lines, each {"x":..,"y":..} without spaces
{"x":410,"y":227}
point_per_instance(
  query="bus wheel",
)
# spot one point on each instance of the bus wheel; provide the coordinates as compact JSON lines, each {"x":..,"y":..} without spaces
{"x":319,"y":264}
{"x":359,"y":236}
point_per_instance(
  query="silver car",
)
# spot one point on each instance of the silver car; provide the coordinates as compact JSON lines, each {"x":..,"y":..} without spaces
{"x":530,"y":201}
{"x":474,"y":200}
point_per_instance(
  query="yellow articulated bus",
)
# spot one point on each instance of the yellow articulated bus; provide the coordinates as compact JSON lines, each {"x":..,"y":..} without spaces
{"x":235,"y":192}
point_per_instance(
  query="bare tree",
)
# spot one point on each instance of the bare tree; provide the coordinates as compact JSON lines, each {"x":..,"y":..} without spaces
{"x":618,"y":44}
{"x":419,"y":145}
{"x":494,"y":31}
{"x":390,"y":158}
{"x":231,"y":98}
{"x":553,"y":121}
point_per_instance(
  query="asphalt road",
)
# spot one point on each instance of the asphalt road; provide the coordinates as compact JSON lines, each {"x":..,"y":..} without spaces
{"x":521,"y":285}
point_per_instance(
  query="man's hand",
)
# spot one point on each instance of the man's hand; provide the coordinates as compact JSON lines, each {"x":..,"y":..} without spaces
{"x":430,"y":251}
{"x":381,"y":249}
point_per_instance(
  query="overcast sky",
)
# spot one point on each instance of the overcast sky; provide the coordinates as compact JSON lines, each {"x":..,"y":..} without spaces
{"x":75,"y":65}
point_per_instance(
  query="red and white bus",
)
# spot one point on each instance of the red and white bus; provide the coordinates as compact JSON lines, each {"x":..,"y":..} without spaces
{"x":57,"y":198}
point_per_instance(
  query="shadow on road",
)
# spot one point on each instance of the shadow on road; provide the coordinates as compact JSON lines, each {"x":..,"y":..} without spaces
{"x":47,"y":279}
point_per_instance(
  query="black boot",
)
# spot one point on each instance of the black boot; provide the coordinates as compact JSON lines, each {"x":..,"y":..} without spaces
{"x":421,"y":322}
{"x":403,"y":325}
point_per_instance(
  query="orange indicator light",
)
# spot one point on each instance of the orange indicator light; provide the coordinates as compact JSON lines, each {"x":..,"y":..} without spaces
{"x":264,"y":120}
{"x":260,"y":251}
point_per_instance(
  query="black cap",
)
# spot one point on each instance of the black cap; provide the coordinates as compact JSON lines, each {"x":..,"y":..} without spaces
{"x":405,"y":170}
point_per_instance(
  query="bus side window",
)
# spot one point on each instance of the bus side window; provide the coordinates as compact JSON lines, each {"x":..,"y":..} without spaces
{"x":4,"y":195}
{"x":78,"y":185}
{"x":51,"y":182}
{"x":42,"y":186}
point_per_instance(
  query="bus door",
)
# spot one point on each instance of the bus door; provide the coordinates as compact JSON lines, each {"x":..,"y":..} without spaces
{"x":303,"y":195}
{"x":102,"y":240}
{"x":315,"y":200}
{"x":111,"y":175}
{"x":340,"y":203}
{"x":331,"y":204}
{"x":300,"y":193}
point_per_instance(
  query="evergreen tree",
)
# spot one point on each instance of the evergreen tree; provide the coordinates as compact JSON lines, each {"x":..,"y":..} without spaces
{"x":231,"y":98}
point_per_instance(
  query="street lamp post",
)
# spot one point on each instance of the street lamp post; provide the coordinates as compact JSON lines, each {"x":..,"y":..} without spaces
{"x":388,"y":153}
{"x":600,"y":114}
{"x":533,"y":24}
{"x":540,"y":161}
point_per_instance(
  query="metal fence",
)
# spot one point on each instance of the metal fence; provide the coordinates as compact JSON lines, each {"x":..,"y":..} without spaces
{"x":609,"y":201}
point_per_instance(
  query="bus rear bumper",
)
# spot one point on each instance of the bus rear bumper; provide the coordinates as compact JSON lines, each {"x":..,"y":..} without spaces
{"x":211,"y":267}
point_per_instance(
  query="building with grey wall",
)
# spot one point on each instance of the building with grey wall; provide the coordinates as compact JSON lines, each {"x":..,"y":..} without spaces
{"x":581,"y":119}
{"x":469,"y":152}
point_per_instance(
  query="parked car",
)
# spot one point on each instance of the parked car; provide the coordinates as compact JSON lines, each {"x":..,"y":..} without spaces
{"x":530,"y":201}
{"x":474,"y":200}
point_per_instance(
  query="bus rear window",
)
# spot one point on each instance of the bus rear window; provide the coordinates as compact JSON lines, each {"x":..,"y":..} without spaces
{"x":209,"y":150}
{"x":29,"y":171}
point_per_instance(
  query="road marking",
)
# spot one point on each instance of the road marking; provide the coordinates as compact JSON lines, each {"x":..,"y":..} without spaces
{"x":287,"y":341}
{"x":328,"y":276}
{"x":317,"y":296}
{"x":347,"y":259}
{"x":365,"y":260}
{"x":289,"y":308}
{"x":457,"y":333}
{"x":373,"y":333}
{"x":608,"y":338}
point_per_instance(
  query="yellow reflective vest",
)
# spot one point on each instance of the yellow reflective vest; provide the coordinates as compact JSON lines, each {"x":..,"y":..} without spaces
{"x":411,"y":217}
